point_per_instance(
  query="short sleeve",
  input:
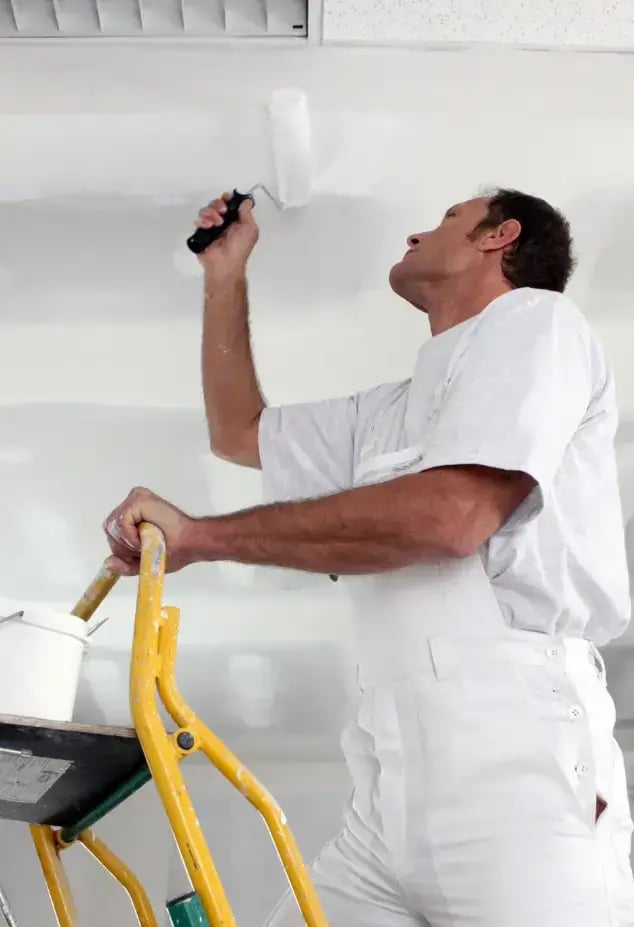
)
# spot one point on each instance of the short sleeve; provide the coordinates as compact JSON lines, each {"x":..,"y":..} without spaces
{"x":518,"y":393}
{"x":306,"y":449}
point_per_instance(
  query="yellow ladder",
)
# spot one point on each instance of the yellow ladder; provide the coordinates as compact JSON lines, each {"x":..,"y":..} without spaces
{"x":152,"y":677}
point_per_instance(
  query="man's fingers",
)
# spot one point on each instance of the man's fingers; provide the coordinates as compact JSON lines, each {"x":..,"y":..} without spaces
{"x":214,"y":213}
{"x":122,"y":552}
{"x":120,"y":535}
{"x":122,"y":528}
{"x":207,"y":218}
{"x":246,"y":213}
{"x":122,"y":567}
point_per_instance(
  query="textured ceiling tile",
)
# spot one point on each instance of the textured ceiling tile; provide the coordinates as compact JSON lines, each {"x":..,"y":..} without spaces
{"x":514,"y":22}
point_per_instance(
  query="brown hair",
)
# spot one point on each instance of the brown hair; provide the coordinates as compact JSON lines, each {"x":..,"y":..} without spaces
{"x":542,"y":255}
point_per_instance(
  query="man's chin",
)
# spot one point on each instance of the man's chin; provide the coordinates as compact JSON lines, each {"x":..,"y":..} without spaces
{"x":398,"y":279}
{"x":403,"y":285}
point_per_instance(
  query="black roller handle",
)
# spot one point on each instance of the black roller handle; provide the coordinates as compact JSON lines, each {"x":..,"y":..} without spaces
{"x":202,"y":238}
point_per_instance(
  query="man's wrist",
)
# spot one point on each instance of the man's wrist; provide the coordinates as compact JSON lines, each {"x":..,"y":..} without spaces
{"x":201,"y":539}
{"x":219,"y":283}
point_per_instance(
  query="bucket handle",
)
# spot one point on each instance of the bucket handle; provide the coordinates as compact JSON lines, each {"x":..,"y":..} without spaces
{"x":90,"y":601}
{"x":17,"y":616}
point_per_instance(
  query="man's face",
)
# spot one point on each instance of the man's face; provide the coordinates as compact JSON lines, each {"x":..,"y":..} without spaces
{"x":442,"y":253}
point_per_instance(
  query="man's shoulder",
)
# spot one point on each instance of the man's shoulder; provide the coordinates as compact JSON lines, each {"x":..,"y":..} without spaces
{"x":537,"y":309}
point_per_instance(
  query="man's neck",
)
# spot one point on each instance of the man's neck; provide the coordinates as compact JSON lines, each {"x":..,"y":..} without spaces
{"x":453,"y":302}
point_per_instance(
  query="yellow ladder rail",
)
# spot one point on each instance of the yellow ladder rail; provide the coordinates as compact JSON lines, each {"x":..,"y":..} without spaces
{"x":152,"y":676}
{"x":152,"y":672}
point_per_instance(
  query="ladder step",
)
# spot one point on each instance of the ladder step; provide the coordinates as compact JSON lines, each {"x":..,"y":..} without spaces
{"x":116,"y":798}
{"x":187,"y":911}
{"x":66,"y":775}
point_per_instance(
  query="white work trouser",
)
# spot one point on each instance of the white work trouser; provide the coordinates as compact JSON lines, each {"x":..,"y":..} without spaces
{"x":477,"y":756}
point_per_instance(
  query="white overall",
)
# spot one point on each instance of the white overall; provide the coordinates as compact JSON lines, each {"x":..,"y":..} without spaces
{"x":476,"y":756}
{"x":479,"y":749}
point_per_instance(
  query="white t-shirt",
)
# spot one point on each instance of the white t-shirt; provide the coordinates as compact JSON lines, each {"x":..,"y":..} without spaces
{"x":523,"y":386}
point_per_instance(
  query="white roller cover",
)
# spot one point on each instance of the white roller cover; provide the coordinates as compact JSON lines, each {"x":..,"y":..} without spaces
{"x":291,"y":146}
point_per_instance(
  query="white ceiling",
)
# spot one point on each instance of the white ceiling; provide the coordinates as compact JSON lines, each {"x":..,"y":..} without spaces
{"x":545,"y":23}
{"x":152,"y":18}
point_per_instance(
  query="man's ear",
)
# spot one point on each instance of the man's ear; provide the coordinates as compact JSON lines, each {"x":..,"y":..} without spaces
{"x":501,"y":237}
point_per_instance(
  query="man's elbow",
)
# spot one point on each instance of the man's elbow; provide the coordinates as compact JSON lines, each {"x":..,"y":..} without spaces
{"x":447,"y":543}
{"x":239,"y":447}
{"x":223,"y":451}
{"x":229,"y":450}
{"x":464,"y":546}
{"x":477,"y":504}
{"x":460,"y":545}
{"x":470,"y":532}
{"x":461,"y":533}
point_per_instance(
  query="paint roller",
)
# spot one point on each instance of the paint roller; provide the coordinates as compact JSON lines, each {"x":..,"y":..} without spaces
{"x":289,"y":124}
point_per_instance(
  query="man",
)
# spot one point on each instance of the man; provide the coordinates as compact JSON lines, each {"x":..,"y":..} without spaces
{"x":473,"y":511}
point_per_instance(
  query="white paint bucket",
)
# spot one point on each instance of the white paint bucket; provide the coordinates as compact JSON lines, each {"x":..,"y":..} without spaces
{"x":41,"y":652}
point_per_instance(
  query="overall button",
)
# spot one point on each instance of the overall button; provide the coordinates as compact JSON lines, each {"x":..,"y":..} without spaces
{"x":582,"y":769}
{"x":575,"y":712}
{"x":553,"y":652}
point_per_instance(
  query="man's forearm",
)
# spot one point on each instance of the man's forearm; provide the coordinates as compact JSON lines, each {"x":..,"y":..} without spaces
{"x":233,"y":400}
{"x":366,"y":530}
{"x":442,"y":513}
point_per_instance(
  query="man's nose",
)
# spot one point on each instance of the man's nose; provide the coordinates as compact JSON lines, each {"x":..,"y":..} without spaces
{"x":413,"y":240}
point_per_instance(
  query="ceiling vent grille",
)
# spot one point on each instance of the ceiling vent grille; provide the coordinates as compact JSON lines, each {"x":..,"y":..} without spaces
{"x":153,"y":18}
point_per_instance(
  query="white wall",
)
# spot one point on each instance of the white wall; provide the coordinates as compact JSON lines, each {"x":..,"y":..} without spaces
{"x":105,"y":158}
